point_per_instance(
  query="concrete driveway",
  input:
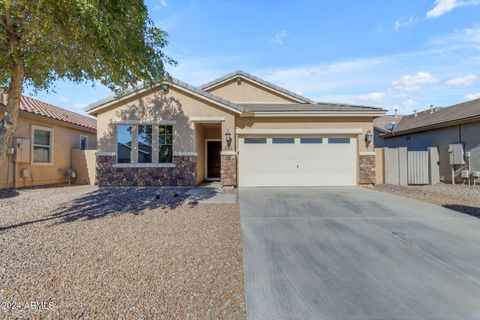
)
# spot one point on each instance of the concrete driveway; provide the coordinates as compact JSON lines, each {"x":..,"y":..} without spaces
{"x":354,"y":253}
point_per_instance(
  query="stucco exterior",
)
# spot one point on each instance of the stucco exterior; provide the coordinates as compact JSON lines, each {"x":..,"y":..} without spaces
{"x":197,"y":118}
{"x":468,"y":134}
{"x":65,"y":138}
{"x":248,"y":92}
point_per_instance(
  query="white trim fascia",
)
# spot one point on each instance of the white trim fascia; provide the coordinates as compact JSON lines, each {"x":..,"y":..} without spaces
{"x":298,"y":131}
{"x":367,"y":153}
{"x":32,"y":146}
{"x":207,"y":119}
{"x":311,"y":114}
{"x":142,"y":122}
{"x":257,"y":83}
{"x":105,"y":154}
{"x":143,"y":165}
{"x":132,"y":94}
{"x":180,"y":154}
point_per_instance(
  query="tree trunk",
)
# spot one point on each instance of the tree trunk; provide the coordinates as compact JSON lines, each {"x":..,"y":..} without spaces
{"x":8,"y":124}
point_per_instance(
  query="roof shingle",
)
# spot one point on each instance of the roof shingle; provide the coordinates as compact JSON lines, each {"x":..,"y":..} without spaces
{"x":44,"y":109}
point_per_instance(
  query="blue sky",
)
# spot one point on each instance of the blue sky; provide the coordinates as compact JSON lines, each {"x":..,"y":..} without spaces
{"x":393,"y":54}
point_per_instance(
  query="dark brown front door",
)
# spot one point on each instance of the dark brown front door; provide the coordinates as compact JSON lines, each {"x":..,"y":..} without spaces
{"x":213,"y":159}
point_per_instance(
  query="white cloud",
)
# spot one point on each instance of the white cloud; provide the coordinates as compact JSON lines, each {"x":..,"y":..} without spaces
{"x":443,"y":6}
{"x":405,"y":107}
{"x":80,"y":106}
{"x":373,"y":97}
{"x":64,"y":100}
{"x":462,"y":81}
{"x":279,"y":37}
{"x":472,"y":96}
{"x":402,"y":23}
{"x":410,"y":83}
{"x":162,"y":4}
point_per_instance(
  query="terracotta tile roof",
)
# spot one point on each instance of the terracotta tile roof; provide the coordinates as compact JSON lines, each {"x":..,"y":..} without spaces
{"x":50,"y":111}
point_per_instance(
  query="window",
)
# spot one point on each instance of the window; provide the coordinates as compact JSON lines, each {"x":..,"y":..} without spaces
{"x":124,"y":143}
{"x":42,"y":145}
{"x":165,"y":141}
{"x":338,"y":140}
{"x":283,"y":140}
{"x":311,"y":140}
{"x":145,"y":150}
{"x":255,"y":140}
{"x":83,"y":142}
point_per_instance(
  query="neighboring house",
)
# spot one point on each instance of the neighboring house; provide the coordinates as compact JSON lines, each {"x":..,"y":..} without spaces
{"x":43,"y":141}
{"x":436,"y":127}
{"x":239,"y":129}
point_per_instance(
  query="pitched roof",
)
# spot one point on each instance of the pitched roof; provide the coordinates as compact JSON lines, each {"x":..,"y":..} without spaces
{"x":255,"y":79}
{"x":47,"y":110}
{"x":379,"y":123}
{"x":308,"y":107}
{"x":440,"y":117}
{"x":177,"y":82}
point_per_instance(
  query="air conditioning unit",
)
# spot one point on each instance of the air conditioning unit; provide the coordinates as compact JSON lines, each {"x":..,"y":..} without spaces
{"x":465,"y":174}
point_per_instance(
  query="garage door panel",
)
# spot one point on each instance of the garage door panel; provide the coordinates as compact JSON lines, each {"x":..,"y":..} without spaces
{"x":298,"y":164}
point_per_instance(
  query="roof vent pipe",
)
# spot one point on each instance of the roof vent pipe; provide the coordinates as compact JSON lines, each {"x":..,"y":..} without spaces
{"x":415,"y":113}
{"x":396,"y":111}
{"x":432,"y":109}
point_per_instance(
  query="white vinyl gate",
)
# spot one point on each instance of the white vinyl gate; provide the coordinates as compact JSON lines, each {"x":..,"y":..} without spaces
{"x":417,"y":168}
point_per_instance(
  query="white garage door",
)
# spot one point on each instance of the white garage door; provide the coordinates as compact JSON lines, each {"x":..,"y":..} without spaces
{"x":297,"y":161}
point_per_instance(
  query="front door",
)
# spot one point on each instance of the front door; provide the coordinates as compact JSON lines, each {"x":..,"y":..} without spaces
{"x":213,"y":159}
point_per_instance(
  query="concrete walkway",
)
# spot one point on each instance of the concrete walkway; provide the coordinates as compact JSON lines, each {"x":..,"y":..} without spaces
{"x":353,"y":253}
{"x":211,"y":192}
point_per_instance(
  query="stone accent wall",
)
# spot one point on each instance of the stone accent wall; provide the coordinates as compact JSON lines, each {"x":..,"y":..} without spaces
{"x":183,"y":174}
{"x":367,"y":169}
{"x":228,"y":172}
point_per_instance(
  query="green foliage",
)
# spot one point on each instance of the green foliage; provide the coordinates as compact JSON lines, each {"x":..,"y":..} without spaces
{"x":110,"y":41}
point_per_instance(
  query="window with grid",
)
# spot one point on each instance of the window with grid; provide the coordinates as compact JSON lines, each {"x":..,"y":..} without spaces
{"x":42,"y":146}
{"x":165,"y":144}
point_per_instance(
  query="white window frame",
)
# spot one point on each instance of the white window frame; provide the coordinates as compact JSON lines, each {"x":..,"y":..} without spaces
{"x":52,"y":144}
{"x":155,"y":145}
{"x":80,"y":142}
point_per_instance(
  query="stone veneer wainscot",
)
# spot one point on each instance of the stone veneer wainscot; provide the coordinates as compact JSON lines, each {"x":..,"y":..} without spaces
{"x":183,"y":173}
{"x":367,"y":169}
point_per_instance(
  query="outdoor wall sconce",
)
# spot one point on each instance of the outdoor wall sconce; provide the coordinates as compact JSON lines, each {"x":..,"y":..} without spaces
{"x":239,"y":80}
{"x":228,"y":138}
{"x":165,"y":88}
{"x":369,"y":137}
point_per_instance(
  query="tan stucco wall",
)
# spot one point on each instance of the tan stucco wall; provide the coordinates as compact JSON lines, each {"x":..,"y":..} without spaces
{"x":364,"y":123}
{"x":248,"y":92}
{"x":65,"y":139}
{"x":154,"y":106}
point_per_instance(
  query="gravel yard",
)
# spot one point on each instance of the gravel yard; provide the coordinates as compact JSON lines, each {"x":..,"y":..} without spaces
{"x":462,"y":198}
{"x":119,"y":253}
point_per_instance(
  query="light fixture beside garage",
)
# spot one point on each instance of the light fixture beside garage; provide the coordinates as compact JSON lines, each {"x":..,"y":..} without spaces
{"x":369,"y":137}
{"x":228,"y":138}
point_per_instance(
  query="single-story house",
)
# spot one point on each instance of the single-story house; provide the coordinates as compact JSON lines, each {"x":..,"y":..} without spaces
{"x":435,"y":127}
{"x":239,"y":129}
{"x":40,"y":153}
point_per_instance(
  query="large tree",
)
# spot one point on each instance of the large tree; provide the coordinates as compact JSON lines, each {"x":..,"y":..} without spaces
{"x":110,"y":41}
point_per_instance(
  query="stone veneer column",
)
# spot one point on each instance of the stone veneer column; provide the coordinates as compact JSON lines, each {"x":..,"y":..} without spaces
{"x":228,"y":171}
{"x":182,"y":174}
{"x":367,"y":169}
